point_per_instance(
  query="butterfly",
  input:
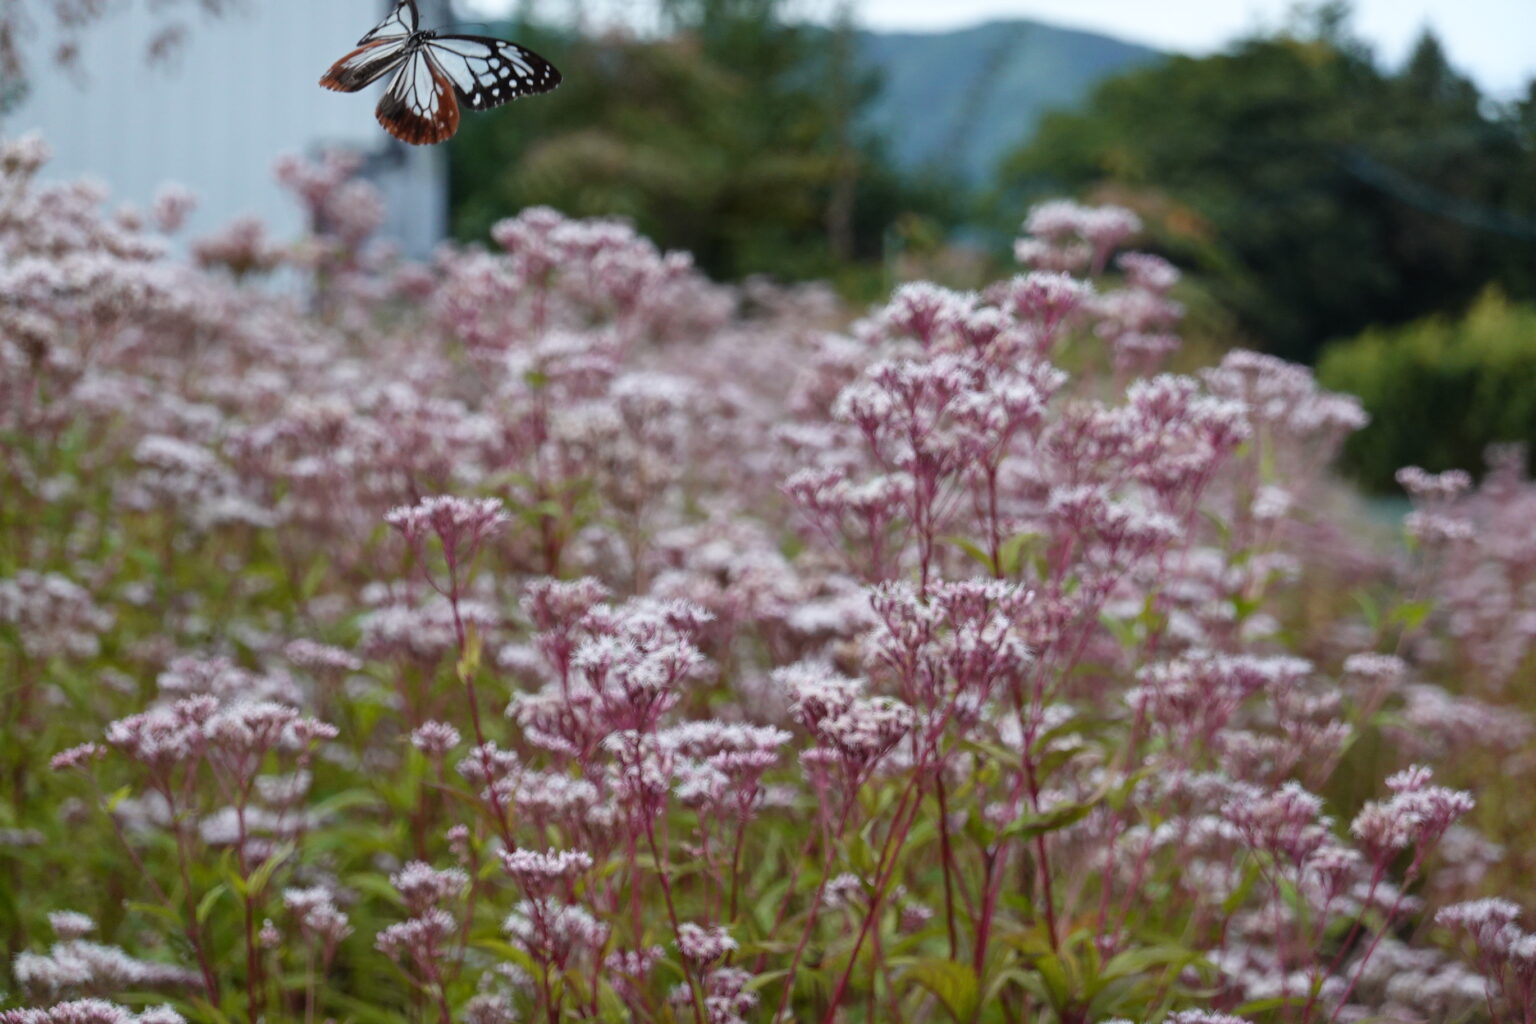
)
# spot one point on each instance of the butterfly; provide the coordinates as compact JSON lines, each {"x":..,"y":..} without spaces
{"x":432,"y":73}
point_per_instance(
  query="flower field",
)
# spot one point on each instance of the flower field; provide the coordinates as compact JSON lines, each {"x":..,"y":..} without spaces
{"x":550,"y":634}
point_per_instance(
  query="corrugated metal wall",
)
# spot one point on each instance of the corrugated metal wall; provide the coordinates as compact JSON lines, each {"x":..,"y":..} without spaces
{"x":242,"y":91}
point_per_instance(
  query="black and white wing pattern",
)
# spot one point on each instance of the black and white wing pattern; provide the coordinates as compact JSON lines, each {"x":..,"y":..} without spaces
{"x":403,"y":22}
{"x":431,"y":73}
{"x":419,"y":106}
{"x":377,"y":53}
{"x":488,"y":72}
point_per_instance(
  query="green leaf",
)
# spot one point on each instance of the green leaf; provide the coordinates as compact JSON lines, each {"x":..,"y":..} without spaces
{"x":976,"y":551}
{"x":508,"y":952}
{"x":1368,"y":607}
{"x":231,"y":876}
{"x":954,"y":984}
{"x":209,"y":1011}
{"x":1029,"y":825}
{"x":469,"y":663}
{"x":210,"y":899}
{"x":861,"y":855}
{"x":996,"y":751}
{"x":613,"y":1007}
{"x":257,"y":884}
{"x":366,"y":1011}
{"x":1119,"y":796}
{"x":765,"y":979}
{"x":310,"y":585}
{"x":1058,"y":986}
{"x":766,"y":906}
{"x":1220,"y":525}
{"x":154,"y":910}
{"x":1237,"y":897}
{"x":1123,"y":630}
{"x":1010,"y":553}
{"x":346,"y":800}
{"x":1027,"y":980}
{"x":1244,"y":607}
{"x":1140,"y":961}
{"x":1411,"y":614}
{"x":375,"y":885}
{"x":1264,"y":1006}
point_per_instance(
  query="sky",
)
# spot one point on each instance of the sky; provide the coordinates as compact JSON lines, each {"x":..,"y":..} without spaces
{"x":1494,"y":41}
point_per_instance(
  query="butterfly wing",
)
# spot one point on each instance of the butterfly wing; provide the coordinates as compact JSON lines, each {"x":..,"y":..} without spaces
{"x":488,"y":72}
{"x":402,"y":23}
{"x":419,"y":106}
{"x":377,"y":53}
{"x":364,"y":65}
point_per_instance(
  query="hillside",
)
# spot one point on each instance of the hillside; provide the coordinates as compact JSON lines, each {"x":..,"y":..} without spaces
{"x":956,"y":102}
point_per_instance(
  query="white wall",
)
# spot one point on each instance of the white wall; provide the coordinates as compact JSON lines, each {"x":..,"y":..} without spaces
{"x":241,"y":91}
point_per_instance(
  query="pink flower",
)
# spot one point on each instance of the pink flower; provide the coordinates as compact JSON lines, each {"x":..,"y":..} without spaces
{"x":555,"y":932}
{"x":461,"y":524}
{"x":539,"y":872}
{"x":1047,"y":298}
{"x":423,"y":886}
{"x":321,"y":657}
{"x":1418,"y":814}
{"x":172,"y":205}
{"x":68,"y":924}
{"x":319,"y":918}
{"x":1433,"y":487}
{"x":702,"y":945}
{"x":435,"y":739}
{"x":419,"y":940}
{"x":77,"y":757}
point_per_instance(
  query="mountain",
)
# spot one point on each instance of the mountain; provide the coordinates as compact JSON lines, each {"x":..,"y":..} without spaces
{"x":957,"y":102}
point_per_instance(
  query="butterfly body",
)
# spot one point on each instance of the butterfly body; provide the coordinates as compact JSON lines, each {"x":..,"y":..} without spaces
{"x":432,"y":72}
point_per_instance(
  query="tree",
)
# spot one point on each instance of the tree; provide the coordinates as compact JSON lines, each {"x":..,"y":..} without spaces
{"x":1473,"y":377}
{"x":1321,"y":193}
{"x":731,"y":135}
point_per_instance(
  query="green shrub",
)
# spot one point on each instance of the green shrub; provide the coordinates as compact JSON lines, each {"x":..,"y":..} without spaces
{"x":1440,"y":390}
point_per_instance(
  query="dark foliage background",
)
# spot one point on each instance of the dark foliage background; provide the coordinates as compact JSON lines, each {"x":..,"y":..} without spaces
{"x":735,"y":135}
{"x":1320,"y":191}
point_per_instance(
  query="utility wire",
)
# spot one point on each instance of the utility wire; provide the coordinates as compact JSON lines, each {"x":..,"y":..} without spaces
{"x":1424,"y":197}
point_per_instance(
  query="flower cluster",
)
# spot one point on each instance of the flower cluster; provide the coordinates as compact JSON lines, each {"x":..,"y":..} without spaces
{"x":548,"y":633}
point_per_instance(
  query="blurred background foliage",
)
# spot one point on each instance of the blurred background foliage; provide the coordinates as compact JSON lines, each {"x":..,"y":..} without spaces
{"x":1310,"y":192}
{"x":732,"y":136}
{"x":1319,"y":192}
{"x":1440,"y":390}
